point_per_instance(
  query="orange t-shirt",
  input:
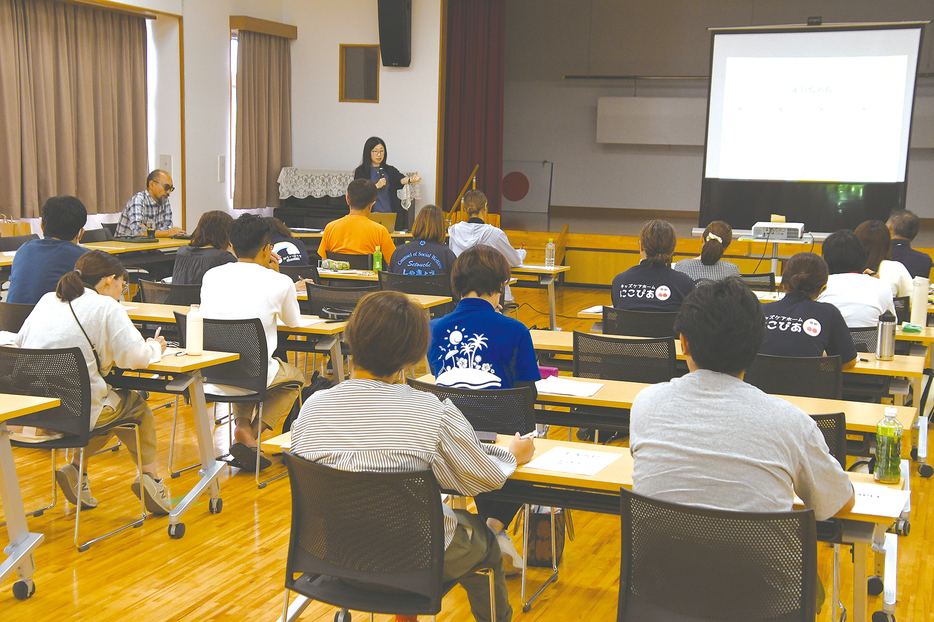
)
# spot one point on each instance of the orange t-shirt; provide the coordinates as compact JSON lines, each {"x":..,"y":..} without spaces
{"x":355,"y":234}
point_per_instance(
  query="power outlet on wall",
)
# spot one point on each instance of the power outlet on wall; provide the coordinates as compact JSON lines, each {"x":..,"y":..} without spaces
{"x":165,"y":163}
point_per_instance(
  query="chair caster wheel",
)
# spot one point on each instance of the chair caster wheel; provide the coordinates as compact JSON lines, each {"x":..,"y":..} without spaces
{"x":24,"y":589}
{"x":925,"y":470}
{"x":881,"y":616}
{"x":83,"y":548}
{"x":874,"y":586}
{"x":526,"y":608}
{"x":342,"y":616}
{"x":176,"y":474}
{"x":38,"y":513}
{"x":176,"y":531}
{"x":116,"y":448}
{"x":261,"y":485}
{"x":216,"y":505}
{"x":914,"y":454}
{"x":583,"y":434}
{"x":901,"y":527}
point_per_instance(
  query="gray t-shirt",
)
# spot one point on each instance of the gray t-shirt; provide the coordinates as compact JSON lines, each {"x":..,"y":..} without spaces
{"x":711,"y":440}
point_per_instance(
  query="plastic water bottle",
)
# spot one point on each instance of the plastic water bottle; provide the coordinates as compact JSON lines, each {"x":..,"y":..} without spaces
{"x":194,"y":331}
{"x":377,"y":260}
{"x":550,"y":254}
{"x":888,"y":448}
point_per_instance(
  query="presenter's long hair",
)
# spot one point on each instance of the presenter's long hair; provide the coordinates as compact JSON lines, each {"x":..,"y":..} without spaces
{"x":368,"y":146}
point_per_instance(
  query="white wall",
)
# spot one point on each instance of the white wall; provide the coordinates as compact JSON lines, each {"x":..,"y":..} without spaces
{"x":328,"y":134}
{"x":550,"y":118}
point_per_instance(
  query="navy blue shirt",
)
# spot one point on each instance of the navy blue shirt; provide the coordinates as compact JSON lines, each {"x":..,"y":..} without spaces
{"x":918,"y":263}
{"x":650,"y":288}
{"x":474,"y":347}
{"x":422,"y":258}
{"x":37,"y":267}
{"x":799,"y":326}
{"x":292,"y":251}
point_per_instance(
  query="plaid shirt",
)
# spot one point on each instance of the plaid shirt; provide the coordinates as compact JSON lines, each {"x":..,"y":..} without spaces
{"x":141,"y":209}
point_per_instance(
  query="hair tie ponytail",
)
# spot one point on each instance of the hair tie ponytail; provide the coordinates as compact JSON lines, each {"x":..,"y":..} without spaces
{"x":714,"y":236}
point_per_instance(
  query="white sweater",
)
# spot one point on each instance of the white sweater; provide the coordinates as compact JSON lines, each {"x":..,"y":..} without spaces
{"x":52,"y":325}
{"x":897,"y":276}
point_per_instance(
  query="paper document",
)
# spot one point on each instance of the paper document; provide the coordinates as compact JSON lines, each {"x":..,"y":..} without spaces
{"x":564,"y":386}
{"x":593,"y":309}
{"x":172,"y":351}
{"x":877,"y":500}
{"x":302,"y":323}
{"x":9,"y":253}
{"x":577,"y":461}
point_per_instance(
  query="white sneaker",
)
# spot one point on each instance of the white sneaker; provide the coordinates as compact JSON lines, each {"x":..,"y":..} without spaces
{"x":67,"y":478}
{"x":512,"y":561}
{"x":156,"y":497}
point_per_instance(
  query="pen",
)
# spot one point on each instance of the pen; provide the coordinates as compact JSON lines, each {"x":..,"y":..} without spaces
{"x":862,"y":360}
{"x":531,"y":434}
{"x":182,"y":353}
{"x":158,"y":330}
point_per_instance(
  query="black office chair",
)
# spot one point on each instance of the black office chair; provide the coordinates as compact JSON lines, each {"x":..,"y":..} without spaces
{"x":804,"y":376}
{"x":13,"y":242}
{"x":759,"y":282}
{"x":90,"y":236}
{"x":248,"y":339}
{"x":690,"y":564}
{"x":357,"y":262}
{"x":902,"y":308}
{"x":864,"y":338}
{"x":169,"y":293}
{"x":366,"y":541}
{"x":616,"y":358}
{"x":297,"y":273}
{"x":639,"y":323}
{"x":860,"y":387}
{"x":63,"y":374}
{"x":428,"y":285}
{"x":110,"y":226}
{"x":333,"y":302}
{"x":13,"y":315}
{"x":501,"y":411}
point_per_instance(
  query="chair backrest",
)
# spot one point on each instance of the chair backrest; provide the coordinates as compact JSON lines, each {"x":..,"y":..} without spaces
{"x":13,"y":242}
{"x":760,"y":282}
{"x":296,"y":273}
{"x":833,"y":427}
{"x":902,"y":308}
{"x":245,"y":337}
{"x":110,"y":226}
{"x":638,"y":323}
{"x":91,"y":236}
{"x":686,"y":563}
{"x":804,"y":376}
{"x":865,"y":338}
{"x":357,"y":262}
{"x":382,"y":528}
{"x":618,"y":358}
{"x":13,"y":315}
{"x":169,"y":293}
{"x":60,"y":373}
{"x":503,"y":411}
{"x":323,"y":299}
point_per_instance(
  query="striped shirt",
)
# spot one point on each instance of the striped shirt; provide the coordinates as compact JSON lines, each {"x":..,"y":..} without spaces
{"x":697,"y":270}
{"x":368,"y":425}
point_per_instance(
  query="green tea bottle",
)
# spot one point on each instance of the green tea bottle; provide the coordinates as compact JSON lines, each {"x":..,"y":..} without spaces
{"x":377,"y":260}
{"x":888,"y":448}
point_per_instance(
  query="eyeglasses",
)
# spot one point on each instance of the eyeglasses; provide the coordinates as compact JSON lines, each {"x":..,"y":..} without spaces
{"x":168,"y":187}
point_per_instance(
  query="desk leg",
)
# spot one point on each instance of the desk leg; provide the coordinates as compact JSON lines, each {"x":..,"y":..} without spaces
{"x":210,"y":466}
{"x":337,"y":360}
{"x":22,"y":543}
{"x":862,"y":536}
{"x":549,"y":281}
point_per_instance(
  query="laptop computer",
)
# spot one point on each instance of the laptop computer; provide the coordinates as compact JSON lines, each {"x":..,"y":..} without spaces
{"x":387,"y":219}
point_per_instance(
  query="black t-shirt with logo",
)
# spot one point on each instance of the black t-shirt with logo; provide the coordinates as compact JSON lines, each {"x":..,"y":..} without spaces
{"x":650,"y":288}
{"x":422,"y":258}
{"x":799,"y":326}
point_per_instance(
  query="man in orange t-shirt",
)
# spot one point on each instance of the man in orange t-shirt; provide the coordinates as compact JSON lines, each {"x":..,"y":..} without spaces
{"x":355,"y":233}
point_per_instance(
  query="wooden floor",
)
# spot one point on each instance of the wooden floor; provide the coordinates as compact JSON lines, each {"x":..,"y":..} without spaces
{"x":230,"y":566}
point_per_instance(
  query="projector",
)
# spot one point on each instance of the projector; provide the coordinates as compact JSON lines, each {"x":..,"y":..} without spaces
{"x":778,"y":230}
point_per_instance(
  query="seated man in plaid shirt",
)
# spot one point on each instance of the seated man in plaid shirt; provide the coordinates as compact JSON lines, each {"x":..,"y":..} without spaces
{"x":150,"y":207}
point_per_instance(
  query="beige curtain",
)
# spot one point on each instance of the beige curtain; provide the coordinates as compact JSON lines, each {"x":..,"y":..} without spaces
{"x":72,"y":106}
{"x":264,"y":118}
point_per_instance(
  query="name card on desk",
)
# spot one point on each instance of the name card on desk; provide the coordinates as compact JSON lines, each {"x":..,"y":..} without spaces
{"x":563,"y":386}
{"x":576,"y":461}
{"x":877,"y":500}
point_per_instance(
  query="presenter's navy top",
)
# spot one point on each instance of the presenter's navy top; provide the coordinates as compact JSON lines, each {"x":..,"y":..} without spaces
{"x":382,"y":194}
{"x":422,"y":258}
{"x":474,"y":347}
{"x":799,"y":326}
{"x":650,"y":288}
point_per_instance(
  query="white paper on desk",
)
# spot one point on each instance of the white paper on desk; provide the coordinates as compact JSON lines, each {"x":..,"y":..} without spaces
{"x":593,"y":309}
{"x":529,"y":266}
{"x":7,"y":338}
{"x":577,"y":461}
{"x":9,"y":253}
{"x":172,"y":351}
{"x":563,"y":386}
{"x":302,"y":323}
{"x":877,"y":500}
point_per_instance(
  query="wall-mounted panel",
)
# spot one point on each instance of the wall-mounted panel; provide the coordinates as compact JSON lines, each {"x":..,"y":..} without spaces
{"x":651,"y":120}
